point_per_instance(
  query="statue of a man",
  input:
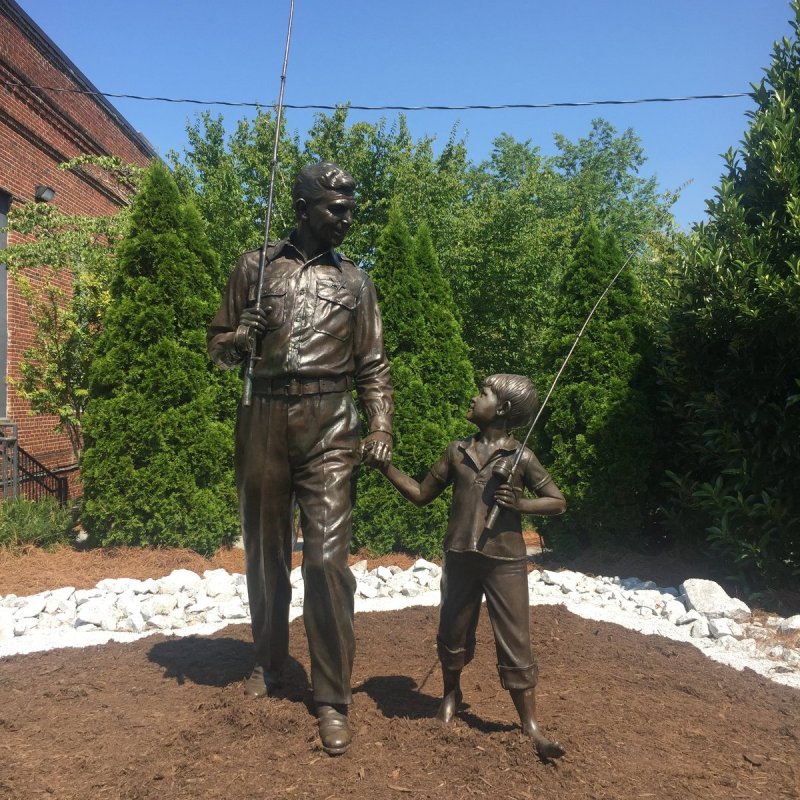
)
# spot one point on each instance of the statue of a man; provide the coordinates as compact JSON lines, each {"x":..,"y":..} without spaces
{"x":317,"y":335}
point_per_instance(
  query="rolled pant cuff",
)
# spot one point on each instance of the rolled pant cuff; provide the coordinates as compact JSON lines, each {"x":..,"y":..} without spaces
{"x":518,"y":677}
{"x":455,"y":659}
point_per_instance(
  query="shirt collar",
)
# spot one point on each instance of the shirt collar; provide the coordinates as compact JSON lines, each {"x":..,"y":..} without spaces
{"x":507,"y":446}
{"x":289,"y":243}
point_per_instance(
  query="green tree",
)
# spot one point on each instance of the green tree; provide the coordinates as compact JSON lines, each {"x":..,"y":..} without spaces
{"x":597,"y":440}
{"x":732,"y":364}
{"x":433,"y":381}
{"x":157,"y":466}
{"x":63,"y":269}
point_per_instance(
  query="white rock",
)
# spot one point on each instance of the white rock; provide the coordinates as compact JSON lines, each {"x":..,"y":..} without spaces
{"x":150,"y":586}
{"x":774,"y":622}
{"x":360,"y":566}
{"x":728,"y":642}
{"x":776,"y":651}
{"x":58,"y":598}
{"x":48,"y":622}
{"x":649,"y":598}
{"x":711,"y":600}
{"x":129,"y":603}
{"x":790,"y":624}
{"x":34,"y":606}
{"x":689,"y":616}
{"x":749,"y":646}
{"x":132,"y":623}
{"x":384,"y":573}
{"x":115,"y":585}
{"x":296,"y":576}
{"x":756,"y":631}
{"x":367,"y":590}
{"x":699,"y":629}
{"x":160,"y":621}
{"x":180,"y":580}
{"x":791,"y":657}
{"x":421,"y":564}
{"x":219,"y":583}
{"x":673,"y":611}
{"x":644,"y":611}
{"x":157,"y":605}
{"x":736,"y":629}
{"x":84,"y":595}
{"x":99,"y":611}
{"x":411,"y":590}
{"x":719,"y":628}
{"x":183,"y":599}
{"x":233,"y":609}
{"x":6,"y":624}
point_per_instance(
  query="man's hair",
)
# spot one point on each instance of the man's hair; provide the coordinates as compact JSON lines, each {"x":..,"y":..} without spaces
{"x":324,"y":176}
{"x":520,"y":392}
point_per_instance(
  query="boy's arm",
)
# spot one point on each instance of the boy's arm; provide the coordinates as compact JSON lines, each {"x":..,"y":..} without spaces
{"x":420,"y":494}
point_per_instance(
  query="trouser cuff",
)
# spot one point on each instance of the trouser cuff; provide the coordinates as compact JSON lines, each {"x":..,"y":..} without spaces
{"x":455,"y":659}
{"x":518,"y":677}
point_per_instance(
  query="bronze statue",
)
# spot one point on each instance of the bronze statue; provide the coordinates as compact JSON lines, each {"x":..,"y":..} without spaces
{"x":489,"y":560}
{"x":316,"y":335}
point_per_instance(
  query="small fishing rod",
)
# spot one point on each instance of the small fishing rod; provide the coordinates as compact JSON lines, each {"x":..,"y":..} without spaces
{"x":502,"y":470}
{"x":247,"y":389}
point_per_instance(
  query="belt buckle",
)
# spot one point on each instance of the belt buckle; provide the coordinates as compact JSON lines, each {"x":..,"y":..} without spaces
{"x":294,"y":387}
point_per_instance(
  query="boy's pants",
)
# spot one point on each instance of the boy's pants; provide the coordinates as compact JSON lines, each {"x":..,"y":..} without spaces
{"x":466,"y":578}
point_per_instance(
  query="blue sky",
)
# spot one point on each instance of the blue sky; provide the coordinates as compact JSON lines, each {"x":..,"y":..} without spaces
{"x":443,"y":52}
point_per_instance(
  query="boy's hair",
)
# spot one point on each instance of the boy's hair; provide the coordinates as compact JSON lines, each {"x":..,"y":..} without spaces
{"x":520,"y":392}
{"x":325,"y":176}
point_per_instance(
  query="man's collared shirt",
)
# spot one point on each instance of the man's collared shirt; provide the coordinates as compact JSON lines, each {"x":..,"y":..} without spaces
{"x":474,"y":486}
{"x":323,"y":322}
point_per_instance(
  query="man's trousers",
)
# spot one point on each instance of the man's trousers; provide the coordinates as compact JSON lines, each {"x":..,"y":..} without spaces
{"x":303,"y":448}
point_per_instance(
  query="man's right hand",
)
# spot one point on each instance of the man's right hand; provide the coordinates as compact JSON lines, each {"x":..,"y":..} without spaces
{"x":252,"y":326}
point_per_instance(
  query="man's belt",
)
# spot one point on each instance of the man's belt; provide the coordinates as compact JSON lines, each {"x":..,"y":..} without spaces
{"x":295,"y":387}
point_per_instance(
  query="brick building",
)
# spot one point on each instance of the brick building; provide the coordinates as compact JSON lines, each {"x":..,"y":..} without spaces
{"x":39,"y":129}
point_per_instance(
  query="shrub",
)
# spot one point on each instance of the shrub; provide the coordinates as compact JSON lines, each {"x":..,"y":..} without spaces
{"x":42,"y":523}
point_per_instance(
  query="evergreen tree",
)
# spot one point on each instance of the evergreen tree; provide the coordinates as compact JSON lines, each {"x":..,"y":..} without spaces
{"x":597,"y":441}
{"x":433,"y":381}
{"x":157,"y":465}
{"x":732,"y":365}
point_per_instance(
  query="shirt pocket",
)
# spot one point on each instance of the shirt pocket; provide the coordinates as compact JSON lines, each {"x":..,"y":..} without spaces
{"x":273,"y":297}
{"x":334,"y":309}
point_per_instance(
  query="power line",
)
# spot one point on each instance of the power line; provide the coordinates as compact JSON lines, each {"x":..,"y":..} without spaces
{"x":320,"y":107}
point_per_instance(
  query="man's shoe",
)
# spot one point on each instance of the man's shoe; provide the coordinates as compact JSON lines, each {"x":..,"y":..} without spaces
{"x":334,"y":730}
{"x":261,"y":682}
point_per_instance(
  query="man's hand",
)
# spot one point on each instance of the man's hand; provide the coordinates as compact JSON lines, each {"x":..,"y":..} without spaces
{"x":252,"y":326}
{"x":506,"y":497}
{"x":376,"y":449}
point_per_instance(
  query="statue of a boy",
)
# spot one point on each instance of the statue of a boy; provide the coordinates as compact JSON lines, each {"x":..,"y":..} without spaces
{"x":493,"y":563}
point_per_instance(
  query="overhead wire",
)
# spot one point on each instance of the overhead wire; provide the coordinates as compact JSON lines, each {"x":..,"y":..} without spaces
{"x":354,"y":107}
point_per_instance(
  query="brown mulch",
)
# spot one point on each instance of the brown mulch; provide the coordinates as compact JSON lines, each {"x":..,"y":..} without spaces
{"x":641,"y":717}
{"x":37,"y":570}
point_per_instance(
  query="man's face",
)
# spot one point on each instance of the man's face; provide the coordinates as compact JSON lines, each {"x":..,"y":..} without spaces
{"x":329,"y":216}
{"x":483,"y":408}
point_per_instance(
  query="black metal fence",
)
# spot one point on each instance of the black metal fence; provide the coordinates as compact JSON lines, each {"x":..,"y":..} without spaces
{"x":22,"y":475}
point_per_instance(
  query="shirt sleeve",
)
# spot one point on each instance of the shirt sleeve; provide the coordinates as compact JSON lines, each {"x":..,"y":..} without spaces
{"x":220,"y":338}
{"x":441,"y":469}
{"x":535,"y":475}
{"x":372,"y":376}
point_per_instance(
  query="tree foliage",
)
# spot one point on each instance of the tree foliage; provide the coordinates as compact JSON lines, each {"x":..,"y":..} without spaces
{"x":62,"y":269}
{"x":597,"y":439}
{"x":732,"y":366}
{"x":432,"y":376}
{"x":157,"y":466}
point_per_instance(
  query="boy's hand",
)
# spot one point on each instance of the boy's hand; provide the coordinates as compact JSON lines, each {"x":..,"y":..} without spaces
{"x":506,"y":497}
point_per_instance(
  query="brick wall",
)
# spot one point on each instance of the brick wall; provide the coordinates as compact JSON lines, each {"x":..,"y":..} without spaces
{"x":39,"y":130}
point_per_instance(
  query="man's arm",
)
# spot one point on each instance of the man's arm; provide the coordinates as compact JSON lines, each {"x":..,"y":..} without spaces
{"x":372,"y":377}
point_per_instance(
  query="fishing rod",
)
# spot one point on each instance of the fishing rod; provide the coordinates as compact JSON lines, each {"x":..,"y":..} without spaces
{"x":247,"y":389}
{"x":502,"y":470}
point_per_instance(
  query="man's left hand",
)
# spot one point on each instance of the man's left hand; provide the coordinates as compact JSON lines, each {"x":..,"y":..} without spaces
{"x":376,"y":449}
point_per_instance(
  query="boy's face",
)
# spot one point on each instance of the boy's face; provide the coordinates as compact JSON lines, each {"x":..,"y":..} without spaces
{"x":483,"y":408}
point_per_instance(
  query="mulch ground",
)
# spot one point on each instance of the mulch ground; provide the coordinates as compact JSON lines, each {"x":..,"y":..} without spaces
{"x":166,"y":718}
